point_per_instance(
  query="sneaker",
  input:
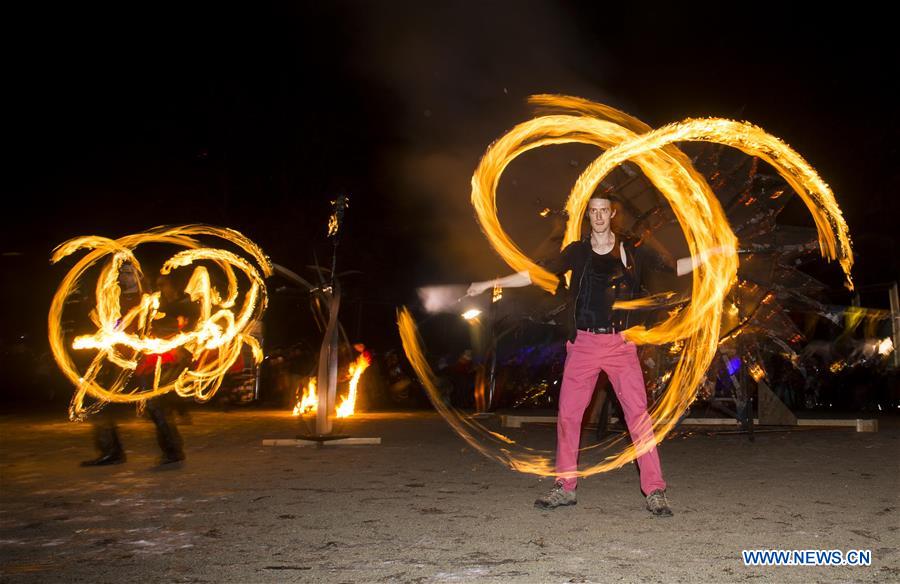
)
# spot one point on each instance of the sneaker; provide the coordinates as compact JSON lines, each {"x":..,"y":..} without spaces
{"x":658,"y":504}
{"x":557,"y":497}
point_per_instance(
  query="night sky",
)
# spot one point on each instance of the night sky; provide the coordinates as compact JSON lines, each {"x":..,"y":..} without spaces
{"x":120,"y":119}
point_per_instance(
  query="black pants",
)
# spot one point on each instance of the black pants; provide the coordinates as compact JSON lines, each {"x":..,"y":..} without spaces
{"x":106,"y":433}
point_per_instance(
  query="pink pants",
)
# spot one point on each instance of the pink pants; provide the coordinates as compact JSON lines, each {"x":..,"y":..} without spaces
{"x":586,"y":357}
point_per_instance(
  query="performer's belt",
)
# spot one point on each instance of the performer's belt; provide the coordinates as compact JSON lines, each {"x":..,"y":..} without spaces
{"x":600,"y":330}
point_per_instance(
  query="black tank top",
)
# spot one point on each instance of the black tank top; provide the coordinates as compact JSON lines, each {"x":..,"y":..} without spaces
{"x":598,"y":290}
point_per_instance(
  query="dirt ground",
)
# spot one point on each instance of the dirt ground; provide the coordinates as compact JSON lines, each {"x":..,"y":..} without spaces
{"x":423,"y":507}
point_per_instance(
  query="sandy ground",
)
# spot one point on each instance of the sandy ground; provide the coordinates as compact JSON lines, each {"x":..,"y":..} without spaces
{"x":423,"y":507}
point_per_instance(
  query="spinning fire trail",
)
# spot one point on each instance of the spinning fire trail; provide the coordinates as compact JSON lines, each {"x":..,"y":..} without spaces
{"x":121,"y":341}
{"x":697,"y":209}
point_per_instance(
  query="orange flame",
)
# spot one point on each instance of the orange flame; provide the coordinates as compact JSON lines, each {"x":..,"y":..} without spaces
{"x":345,"y":410}
{"x":756,"y":371}
{"x":309,"y":401}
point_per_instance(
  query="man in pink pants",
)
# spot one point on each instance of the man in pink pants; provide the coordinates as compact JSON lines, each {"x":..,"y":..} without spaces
{"x":586,"y":357}
{"x":604,"y":269}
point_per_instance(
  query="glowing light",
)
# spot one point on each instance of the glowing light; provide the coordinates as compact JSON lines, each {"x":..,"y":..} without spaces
{"x":885,"y":346}
{"x":544,"y":212}
{"x":697,"y":210}
{"x":470,"y":314}
{"x":341,"y":204}
{"x":356,"y":370}
{"x":497,"y":294}
{"x":733,"y":365}
{"x":756,"y":371}
{"x":309,"y":401}
{"x":332,"y":225}
{"x":122,"y":341}
{"x":441,"y":298}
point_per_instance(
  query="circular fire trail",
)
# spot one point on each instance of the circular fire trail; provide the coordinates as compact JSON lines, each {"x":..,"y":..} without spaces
{"x":125,"y":340}
{"x":697,"y":209}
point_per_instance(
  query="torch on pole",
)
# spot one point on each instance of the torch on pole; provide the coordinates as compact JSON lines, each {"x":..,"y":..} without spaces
{"x":328,"y":354}
{"x":329,"y":292}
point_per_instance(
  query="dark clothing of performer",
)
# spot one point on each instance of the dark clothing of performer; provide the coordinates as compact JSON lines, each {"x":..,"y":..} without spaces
{"x":108,"y":443}
{"x":598,"y":281}
{"x":178,"y":314}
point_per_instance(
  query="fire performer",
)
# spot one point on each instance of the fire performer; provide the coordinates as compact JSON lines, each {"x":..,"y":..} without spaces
{"x":180,"y":313}
{"x":605,"y":268}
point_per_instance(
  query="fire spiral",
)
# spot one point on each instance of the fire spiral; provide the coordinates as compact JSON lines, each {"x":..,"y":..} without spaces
{"x":697,"y":209}
{"x":125,"y":341}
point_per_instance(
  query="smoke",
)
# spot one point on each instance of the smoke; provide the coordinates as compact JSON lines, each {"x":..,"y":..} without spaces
{"x":456,"y":77}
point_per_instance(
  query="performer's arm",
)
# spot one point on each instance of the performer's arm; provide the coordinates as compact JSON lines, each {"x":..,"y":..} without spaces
{"x":689,"y":264}
{"x":517,"y":280}
{"x":558,"y":265}
{"x":652,"y":259}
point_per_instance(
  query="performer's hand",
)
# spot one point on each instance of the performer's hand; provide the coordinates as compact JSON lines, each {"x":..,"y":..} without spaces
{"x":477,"y":288}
